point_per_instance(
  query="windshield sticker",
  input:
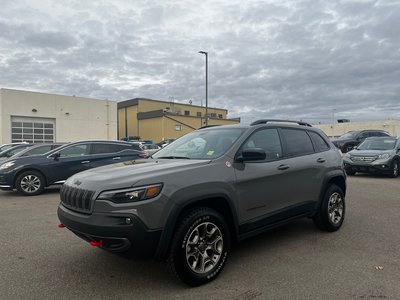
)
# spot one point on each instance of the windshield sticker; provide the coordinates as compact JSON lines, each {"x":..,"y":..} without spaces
{"x":210,"y":153}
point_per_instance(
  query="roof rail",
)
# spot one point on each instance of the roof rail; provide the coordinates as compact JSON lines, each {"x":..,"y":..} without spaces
{"x":265,"y":121}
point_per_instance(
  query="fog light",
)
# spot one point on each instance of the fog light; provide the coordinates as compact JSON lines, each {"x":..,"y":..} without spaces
{"x":128,"y":221}
{"x":383,"y":166}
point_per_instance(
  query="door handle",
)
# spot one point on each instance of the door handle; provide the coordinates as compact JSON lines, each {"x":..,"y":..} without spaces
{"x":283,"y":167}
{"x":321,"y":160}
{"x":116,"y":158}
{"x":85,"y":162}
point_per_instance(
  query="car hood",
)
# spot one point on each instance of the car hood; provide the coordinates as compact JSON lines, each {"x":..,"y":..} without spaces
{"x":356,"y":152}
{"x":130,"y":173}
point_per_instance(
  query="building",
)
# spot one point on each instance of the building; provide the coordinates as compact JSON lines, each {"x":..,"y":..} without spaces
{"x":159,"y":120}
{"x":39,"y":117}
{"x":336,"y":130}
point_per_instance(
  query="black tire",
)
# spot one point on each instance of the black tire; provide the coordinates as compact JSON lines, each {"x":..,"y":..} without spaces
{"x":330,"y":215}
{"x":192,"y":240}
{"x":350,"y":172}
{"x":394,"y":170}
{"x":30,"y":183}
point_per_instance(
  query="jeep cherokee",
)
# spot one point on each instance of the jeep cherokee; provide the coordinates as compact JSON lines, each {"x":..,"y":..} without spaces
{"x":192,"y":199}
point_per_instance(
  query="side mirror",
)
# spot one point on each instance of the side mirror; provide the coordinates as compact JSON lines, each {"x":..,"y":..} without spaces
{"x":55,"y":156}
{"x":252,"y":154}
{"x":355,"y":147}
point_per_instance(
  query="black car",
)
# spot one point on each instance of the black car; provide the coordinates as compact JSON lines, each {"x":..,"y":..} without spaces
{"x":6,"y":154}
{"x":349,"y":140}
{"x":30,"y":175}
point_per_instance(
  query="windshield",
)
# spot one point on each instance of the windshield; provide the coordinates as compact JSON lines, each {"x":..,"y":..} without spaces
{"x":201,"y":144}
{"x":348,"y":135}
{"x":374,"y":144}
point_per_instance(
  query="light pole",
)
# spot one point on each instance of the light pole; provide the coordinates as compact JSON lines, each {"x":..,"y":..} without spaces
{"x":206,"y":54}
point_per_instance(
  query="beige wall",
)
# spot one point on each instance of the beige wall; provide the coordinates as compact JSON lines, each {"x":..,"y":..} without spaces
{"x":76,"y":118}
{"x":391,"y":126}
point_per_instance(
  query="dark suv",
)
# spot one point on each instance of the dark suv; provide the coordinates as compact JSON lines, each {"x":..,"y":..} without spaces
{"x":31,"y":174}
{"x":349,"y":140}
{"x":214,"y":186}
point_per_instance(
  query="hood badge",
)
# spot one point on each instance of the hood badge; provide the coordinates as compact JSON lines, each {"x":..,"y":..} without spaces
{"x":77,"y":182}
{"x":228,"y":164}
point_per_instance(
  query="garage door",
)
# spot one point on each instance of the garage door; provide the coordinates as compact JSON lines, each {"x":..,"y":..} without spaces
{"x":32,"y":130}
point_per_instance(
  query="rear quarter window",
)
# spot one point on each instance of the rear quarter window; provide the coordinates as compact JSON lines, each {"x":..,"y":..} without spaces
{"x":319,"y":143}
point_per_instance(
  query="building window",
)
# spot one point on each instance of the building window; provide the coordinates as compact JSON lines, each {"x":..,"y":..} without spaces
{"x":187,"y":113}
{"x":32,"y":130}
{"x":198,"y":114}
{"x":213,"y":115}
{"x":219,"y":116}
{"x":178,"y":127}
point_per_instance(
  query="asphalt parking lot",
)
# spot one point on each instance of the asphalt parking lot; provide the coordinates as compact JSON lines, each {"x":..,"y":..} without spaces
{"x":361,"y":261}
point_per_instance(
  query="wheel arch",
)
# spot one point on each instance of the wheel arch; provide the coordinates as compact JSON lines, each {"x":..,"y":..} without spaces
{"x":336,"y":178}
{"x":217,"y":202}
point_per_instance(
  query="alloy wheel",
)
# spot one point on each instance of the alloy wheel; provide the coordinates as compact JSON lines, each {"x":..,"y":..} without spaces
{"x":204,"y":247}
{"x":30,"y":183}
{"x":335,"y":208}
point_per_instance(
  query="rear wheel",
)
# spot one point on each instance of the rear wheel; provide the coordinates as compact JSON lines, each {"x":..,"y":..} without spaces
{"x":330,"y":215}
{"x":200,"y":246}
{"x":395,"y":169}
{"x":30,"y":183}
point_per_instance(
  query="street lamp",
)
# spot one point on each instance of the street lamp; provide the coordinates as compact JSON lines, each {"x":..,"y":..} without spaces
{"x":206,"y":54}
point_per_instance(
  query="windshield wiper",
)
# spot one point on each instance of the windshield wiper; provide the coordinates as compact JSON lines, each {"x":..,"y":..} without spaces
{"x":174,"y":157}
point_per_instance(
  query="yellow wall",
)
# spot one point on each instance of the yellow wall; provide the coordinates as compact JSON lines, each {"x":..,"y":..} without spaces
{"x":164,"y":127}
{"x":132,"y":121}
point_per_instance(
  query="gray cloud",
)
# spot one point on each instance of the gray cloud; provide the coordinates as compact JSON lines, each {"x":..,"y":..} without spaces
{"x":279,"y":59}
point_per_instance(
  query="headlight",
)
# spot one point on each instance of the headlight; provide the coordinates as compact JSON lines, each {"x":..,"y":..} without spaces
{"x":383,"y":156}
{"x":7,"y":165}
{"x":348,"y":155}
{"x":132,"y":194}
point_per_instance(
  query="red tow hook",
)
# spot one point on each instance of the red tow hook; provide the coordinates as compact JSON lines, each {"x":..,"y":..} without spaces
{"x":96,"y":243}
{"x":61,"y":225}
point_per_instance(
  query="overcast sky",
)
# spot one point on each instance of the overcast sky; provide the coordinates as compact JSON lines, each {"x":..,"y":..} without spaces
{"x":267,"y":59}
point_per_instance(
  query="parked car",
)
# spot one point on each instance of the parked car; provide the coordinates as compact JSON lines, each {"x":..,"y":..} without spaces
{"x":6,"y":154}
{"x":165,"y":142}
{"x":214,"y":186}
{"x":37,"y":149}
{"x":10,"y":145}
{"x":374,"y":155}
{"x":150,"y":148}
{"x":31,"y":174}
{"x":349,"y":140}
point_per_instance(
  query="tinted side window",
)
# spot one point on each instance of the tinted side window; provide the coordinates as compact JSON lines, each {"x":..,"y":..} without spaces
{"x":99,"y":148}
{"x":297,"y":142}
{"x":39,"y":150}
{"x":268,"y":140}
{"x":319,"y":142}
{"x":76,"y":150}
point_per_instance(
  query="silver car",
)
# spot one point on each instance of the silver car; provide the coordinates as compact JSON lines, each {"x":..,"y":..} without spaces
{"x":374,"y":155}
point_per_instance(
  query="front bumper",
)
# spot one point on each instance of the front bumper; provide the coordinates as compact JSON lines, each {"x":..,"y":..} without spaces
{"x":113,"y":230}
{"x":377,"y":166}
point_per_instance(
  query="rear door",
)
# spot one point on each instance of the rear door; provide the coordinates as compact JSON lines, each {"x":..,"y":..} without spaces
{"x":109,"y":153}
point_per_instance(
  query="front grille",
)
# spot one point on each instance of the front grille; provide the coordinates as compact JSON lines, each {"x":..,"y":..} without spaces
{"x":363,"y":158}
{"x":76,"y":199}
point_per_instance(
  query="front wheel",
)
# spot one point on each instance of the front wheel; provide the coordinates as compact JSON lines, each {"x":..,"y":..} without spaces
{"x":30,"y":183}
{"x":200,"y":246}
{"x":330,"y":215}
{"x":395,"y":169}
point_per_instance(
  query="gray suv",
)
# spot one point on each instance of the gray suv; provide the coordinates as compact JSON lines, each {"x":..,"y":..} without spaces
{"x":193,"y":199}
